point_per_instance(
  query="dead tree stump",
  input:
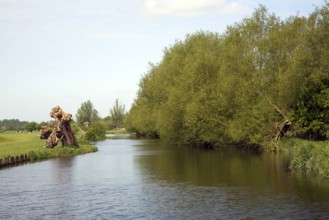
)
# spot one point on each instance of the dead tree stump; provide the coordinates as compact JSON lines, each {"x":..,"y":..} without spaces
{"x":61,"y":131}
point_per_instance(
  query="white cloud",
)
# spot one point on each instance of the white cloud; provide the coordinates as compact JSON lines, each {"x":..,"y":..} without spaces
{"x":192,"y":7}
{"x":178,"y":7}
{"x":234,"y":9}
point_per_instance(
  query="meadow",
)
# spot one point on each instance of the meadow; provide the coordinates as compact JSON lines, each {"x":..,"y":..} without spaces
{"x":15,"y":143}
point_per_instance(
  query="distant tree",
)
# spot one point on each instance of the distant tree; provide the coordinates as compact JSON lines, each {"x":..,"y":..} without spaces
{"x":87,"y":113}
{"x":12,"y":124}
{"x":117,"y":114}
{"x":43,"y":123}
{"x":31,"y":126}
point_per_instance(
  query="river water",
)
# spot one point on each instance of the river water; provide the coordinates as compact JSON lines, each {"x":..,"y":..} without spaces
{"x":147,"y":179}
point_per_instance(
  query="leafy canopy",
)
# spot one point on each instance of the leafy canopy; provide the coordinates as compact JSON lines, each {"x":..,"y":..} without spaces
{"x":241,"y":86}
{"x":87,"y":113}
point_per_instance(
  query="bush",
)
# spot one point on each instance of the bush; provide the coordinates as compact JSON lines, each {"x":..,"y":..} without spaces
{"x":95,"y":132}
{"x":91,"y":136}
{"x":310,"y":157}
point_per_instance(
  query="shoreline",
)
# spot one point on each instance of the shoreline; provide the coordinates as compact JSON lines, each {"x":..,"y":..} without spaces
{"x":45,"y":154}
{"x":20,"y":148}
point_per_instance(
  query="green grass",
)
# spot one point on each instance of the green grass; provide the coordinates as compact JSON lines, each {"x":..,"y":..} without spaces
{"x":117,"y":131}
{"x":310,"y":157}
{"x":15,"y":144}
{"x":42,"y":154}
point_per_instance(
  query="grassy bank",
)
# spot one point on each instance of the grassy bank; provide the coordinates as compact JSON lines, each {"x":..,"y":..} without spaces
{"x":117,"y":131}
{"x":15,"y":144}
{"x":310,"y":157}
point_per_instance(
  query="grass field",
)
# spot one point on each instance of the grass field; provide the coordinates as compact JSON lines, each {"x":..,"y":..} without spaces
{"x":15,"y":144}
{"x":117,"y":131}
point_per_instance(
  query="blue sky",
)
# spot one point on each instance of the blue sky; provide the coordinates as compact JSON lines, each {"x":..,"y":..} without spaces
{"x":65,"y":52}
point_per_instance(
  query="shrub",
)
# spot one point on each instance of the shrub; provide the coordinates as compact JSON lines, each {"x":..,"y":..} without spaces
{"x":311,"y":157}
{"x":95,"y":132}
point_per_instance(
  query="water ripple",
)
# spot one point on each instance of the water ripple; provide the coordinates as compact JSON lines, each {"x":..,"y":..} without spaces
{"x":113,"y":184}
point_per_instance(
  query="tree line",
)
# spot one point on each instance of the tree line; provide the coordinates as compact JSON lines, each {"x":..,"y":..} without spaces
{"x":260,"y":80}
{"x":93,"y":126}
{"x":12,"y":124}
{"x":88,"y":121}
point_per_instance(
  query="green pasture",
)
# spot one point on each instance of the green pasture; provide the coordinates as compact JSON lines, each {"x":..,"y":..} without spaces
{"x":15,"y":144}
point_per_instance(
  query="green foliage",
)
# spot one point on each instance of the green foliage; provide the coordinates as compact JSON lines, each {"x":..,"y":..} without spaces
{"x":239,"y":87}
{"x":16,"y":144}
{"x":86,"y":113}
{"x":311,"y":112}
{"x":117,"y":131}
{"x":117,"y":114}
{"x":31,"y":126}
{"x":42,"y":154}
{"x":95,"y":132}
{"x":11,"y":124}
{"x":39,"y":155}
{"x":309,"y":157}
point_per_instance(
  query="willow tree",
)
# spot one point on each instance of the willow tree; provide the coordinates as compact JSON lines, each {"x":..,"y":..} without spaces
{"x":60,"y":131}
{"x":311,"y":113}
{"x":254,"y":72}
{"x":248,"y":86}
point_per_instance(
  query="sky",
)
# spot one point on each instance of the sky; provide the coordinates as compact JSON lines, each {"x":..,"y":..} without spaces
{"x":66,"y":52}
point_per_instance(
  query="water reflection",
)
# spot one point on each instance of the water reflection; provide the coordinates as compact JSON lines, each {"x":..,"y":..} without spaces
{"x":220,"y":167}
{"x":61,"y":170}
{"x":147,"y":179}
{"x":236,"y":184}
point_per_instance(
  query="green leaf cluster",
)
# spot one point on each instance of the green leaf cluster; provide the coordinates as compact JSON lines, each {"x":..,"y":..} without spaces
{"x":309,"y":157}
{"x":239,"y":87}
{"x":95,"y":132}
{"x":12,"y":124}
{"x":87,"y":113}
{"x":117,"y":115}
{"x":31,"y":126}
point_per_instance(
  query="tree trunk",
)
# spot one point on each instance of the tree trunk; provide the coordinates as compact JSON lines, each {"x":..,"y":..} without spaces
{"x":62,"y":131}
{"x":283,"y":130}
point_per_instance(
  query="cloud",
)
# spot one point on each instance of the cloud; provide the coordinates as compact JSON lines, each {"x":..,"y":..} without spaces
{"x":192,"y":7}
{"x":234,"y":9}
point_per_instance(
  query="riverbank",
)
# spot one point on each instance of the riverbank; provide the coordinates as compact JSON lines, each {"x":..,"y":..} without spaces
{"x":151,"y":179}
{"x":16,"y":147}
{"x":117,"y":131}
{"x":309,"y":157}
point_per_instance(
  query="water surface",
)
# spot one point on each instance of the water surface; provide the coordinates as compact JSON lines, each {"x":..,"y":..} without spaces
{"x":147,"y":179}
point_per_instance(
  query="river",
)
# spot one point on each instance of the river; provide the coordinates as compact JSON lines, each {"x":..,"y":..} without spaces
{"x":147,"y":179}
